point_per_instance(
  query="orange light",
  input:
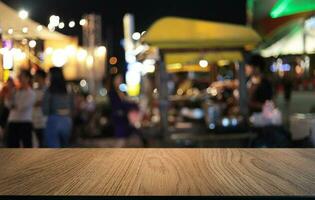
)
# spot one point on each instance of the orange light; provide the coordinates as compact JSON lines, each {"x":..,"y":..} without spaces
{"x":113,"y":60}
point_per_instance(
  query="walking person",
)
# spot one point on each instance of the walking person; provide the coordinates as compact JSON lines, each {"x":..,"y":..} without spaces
{"x":6,"y":91}
{"x":21,"y":102}
{"x":119,"y":115}
{"x":57,"y":106}
{"x":39,"y":120}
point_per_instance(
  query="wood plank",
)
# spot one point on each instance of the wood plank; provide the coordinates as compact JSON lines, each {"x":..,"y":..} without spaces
{"x":241,"y":172}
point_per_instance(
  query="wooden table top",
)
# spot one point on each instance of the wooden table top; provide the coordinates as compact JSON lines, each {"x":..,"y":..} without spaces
{"x":239,"y":172}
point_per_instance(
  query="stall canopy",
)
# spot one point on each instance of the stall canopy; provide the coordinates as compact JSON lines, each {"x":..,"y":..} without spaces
{"x":9,"y":19}
{"x":181,"y":33}
{"x":200,"y":40}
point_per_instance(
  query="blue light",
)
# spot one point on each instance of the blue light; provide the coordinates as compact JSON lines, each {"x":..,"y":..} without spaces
{"x":123,"y":87}
{"x":225,"y":122}
{"x":234,"y":122}
{"x":285,"y":68}
{"x":274,"y":68}
{"x":211,"y":126}
{"x":198,"y":113}
{"x":282,"y":68}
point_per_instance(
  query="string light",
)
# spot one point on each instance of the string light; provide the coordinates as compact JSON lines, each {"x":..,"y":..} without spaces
{"x":83,"y":22}
{"x":72,"y":24}
{"x":203,"y":63}
{"x":39,"y":28}
{"x":25,"y":30}
{"x":136,"y":36}
{"x":32,"y":43}
{"x":61,"y":25}
{"x":10,"y":31}
{"x":23,"y":14}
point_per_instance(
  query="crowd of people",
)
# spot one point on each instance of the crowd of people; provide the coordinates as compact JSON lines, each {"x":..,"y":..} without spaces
{"x":41,"y":105}
{"x":35,"y":104}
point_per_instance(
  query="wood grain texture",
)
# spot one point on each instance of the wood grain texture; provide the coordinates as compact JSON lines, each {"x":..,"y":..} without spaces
{"x":243,"y":172}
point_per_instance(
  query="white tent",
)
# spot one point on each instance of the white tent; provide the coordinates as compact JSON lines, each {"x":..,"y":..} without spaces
{"x":9,"y":19}
{"x":292,"y":40}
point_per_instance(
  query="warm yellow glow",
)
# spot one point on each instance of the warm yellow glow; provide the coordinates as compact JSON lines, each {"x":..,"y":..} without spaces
{"x":51,"y":27}
{"x":180,"y":92}
{"x":25,"y":30}
{"x":32,"y":43}
{"x":49,"y":51}
{"x":203,"y":63}
{"x":175,"y":66}
{"x":24,"y":41}
{"x":71,"y":50}
{"x":10,"y":31}
{"x":90,"y":61}
{"x":222,"y":63}
{"x":83,"y":22}
{"x":39,"y":28}
{"x":81,"y":55}
{"x":133,"y":90}
{"x":18,"y":54}
{"x":59,"y":58}
{"x":100,"y":51}
{"x":6,"y":75}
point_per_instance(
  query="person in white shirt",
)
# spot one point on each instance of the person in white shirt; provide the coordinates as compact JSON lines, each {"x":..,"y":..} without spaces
{"x":21,"y":104}
{"x":39,"y":120}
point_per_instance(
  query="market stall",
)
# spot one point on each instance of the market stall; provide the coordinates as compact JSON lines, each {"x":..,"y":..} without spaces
{"x":195,"y":45}
{"x":26,"y":43}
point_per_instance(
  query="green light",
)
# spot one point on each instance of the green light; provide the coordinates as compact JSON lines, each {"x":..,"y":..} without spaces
{"x":290,"y":7}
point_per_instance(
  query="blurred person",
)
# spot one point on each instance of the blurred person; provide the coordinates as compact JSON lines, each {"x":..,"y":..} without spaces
{"x":288,"y":87}
{"x":57,"y":106}
{"x":79,"y":117}
{"x":260,"y":89}
{"x":125,"y":115}
{"x":119,"y":114}
{"x":21,"y":102}
{"x":6,"y":91}
{"x":39,"y":120}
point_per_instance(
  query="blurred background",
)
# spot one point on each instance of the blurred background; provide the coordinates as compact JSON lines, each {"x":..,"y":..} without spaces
{"x":157,"y":74}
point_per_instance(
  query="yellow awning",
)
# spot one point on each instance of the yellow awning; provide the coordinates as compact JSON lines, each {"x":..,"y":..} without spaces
{"x":181,"y":33}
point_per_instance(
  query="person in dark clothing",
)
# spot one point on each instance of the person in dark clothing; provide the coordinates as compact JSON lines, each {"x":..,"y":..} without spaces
{"x":57,"y":106}
{"x":119,"y":113}
{"x":123,"y":114}
{"x":287,"y":86}
{"x":6,"y":91}
{"x":260,"y":88}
